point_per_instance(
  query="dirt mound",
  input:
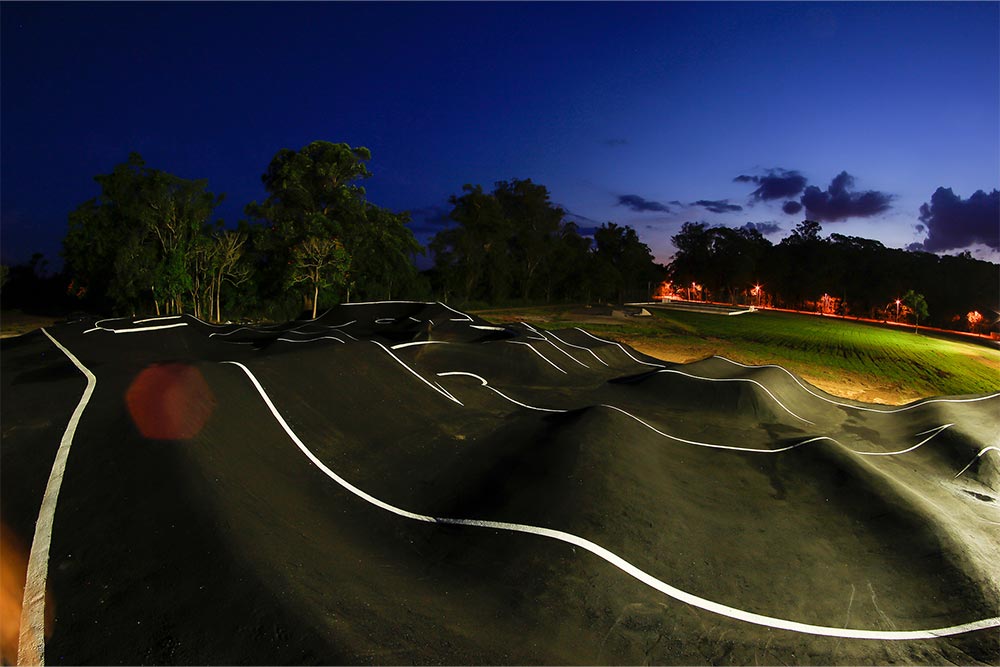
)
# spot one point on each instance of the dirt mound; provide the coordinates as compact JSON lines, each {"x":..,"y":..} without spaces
{"x":404,"y":483}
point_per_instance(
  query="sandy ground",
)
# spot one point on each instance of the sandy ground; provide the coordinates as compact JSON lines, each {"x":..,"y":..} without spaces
{"x":403,"y":484}
{"x":16,"y":323}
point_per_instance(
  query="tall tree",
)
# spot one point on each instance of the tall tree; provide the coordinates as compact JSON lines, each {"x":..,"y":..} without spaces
{"x":319,"y":262}
{"x":138,"y":238}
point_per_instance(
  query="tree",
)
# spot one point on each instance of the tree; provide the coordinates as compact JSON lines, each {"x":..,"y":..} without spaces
{"x":917,"y":305}
{"x":138,"y":239}
{"x":624,"y":264}
{"x":320,"y":263}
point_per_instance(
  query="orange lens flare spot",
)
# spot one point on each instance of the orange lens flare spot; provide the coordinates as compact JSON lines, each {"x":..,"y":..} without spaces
{"x":170,"y":401}
{"x":13,"y":572}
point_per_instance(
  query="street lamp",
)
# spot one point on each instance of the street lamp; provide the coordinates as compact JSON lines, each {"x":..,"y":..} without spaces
{"x":897,"y":310}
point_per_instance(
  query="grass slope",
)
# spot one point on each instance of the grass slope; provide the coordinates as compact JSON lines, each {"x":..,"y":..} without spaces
{"x":845,"y":358}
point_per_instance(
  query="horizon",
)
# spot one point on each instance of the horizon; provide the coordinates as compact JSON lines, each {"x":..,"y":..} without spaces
{"x":878,"y":120}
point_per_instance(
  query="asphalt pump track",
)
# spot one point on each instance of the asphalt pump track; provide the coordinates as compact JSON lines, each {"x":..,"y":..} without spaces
{"x":401,"y":482}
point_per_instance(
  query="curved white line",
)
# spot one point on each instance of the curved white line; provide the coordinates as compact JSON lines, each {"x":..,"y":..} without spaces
{"x":775,"y":398}
{"x":611,"y":342}
{"x":140,"y":329}
{"x":937,"y":430}
{"x":468,"y":318}
{"x":439,"y":389}
{"x":158,"y":319}
{"x":976,"y":457}
{"x":372,"y":303}
{"x":311,"y":340}
{"x":531,"y":347}
{"x":621,"y":563}
{"x":421,"y":342}
{"x":546,"y":339}
{"x":385,"y":320}
{"x":486,"y":328}
{"x":31,"y":637}
{"x":471,"y":375}
{"x":858,"y":407}
{"x":579,"y":347}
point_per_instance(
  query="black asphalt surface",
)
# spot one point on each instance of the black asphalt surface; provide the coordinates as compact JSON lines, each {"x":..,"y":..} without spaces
{"x":191,"y":528}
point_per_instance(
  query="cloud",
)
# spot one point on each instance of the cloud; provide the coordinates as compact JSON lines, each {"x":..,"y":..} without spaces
{"x":776,"y":184}
{"x":577,"y":218}
{"x":953,"y":222}
{"x":717,"y":205}
{"x":791,"y":207}
{"x":430,"y":219}
{"x":839,"y":203}
{"x":764,"y":228}
{"x":637,"y":203}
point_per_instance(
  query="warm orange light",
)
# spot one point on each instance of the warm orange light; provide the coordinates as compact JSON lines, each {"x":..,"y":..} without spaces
{"x":170,"y":401}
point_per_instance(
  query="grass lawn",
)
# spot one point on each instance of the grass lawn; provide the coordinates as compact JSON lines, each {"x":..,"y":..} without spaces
{"x":845,"y":358}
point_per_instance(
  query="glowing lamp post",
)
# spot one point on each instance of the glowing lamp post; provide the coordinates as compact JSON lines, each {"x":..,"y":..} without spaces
{"x":756,"y":292}
{"x":897,"y":310}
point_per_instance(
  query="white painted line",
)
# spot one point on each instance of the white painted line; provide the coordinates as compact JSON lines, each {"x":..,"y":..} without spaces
{"x":158,"y":319}
{"x":421,"y":342}
{"x":372,"y":303}
{"x":486,"y":328}
{"x":439,"y":389}
{"x":740,"y":312}
{"x":500,"y":393}
{"x":466,"y":318}
{"x":31,"y":639}
{"x":611,"y":342}
{"x":532,"y":348}
{"x":579,"y":347}
{"x":622,"y":564}
{"x":546,"y":339}
{"x":858,"y":407}
{"x":311,"y":340}
{"x":230,"y":333}
{"x":141,"y":329}
{"x":385,"y":320}
{"x":976,"y":457}
{"x":708,"y":379}
{"x":94,"y":329}
{"x":933,"y":432}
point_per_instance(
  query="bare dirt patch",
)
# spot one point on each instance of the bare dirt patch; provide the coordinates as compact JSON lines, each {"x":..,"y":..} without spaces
{"x":15,"y":323}
{"x":847,"y":385}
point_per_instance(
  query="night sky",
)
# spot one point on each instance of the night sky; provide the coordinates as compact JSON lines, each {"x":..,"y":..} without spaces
{"x":645,"y":114}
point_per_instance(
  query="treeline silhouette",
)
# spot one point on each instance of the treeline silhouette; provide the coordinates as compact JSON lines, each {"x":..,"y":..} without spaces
{"x":147,"y":244}
{"x":845,"y":275}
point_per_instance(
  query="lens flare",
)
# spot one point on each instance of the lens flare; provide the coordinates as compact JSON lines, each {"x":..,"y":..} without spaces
{"x":170,"y":401}
{"x":13,"y":571}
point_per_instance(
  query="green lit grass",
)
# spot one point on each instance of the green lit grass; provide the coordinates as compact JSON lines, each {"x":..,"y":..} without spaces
{"x":832,"y":350}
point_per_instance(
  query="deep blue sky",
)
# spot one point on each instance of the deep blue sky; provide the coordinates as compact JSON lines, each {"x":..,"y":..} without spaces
{"x":631,"y":113}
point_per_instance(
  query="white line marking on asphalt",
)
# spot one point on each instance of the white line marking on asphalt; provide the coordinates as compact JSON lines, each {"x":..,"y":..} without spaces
{"x":486,"y":328}
{"x":858,"y":407}
{"x":421,"y":342}
{"x":158,"y":319}
{"x":31,"y":638}
{"x":611,"y":342}
{"x":532,"y":348}
{"x":708,"y":379}
{"x":933,"y":432}
{"x":546,"y":339}
{"x":976,"y":457}
{"x":579,"y":347}
{"x":438,"y":388}
{"x":467,"y":318}
{"x":500,"y":393}
{"x":621,"y":563}
{"x":311,"y":340}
